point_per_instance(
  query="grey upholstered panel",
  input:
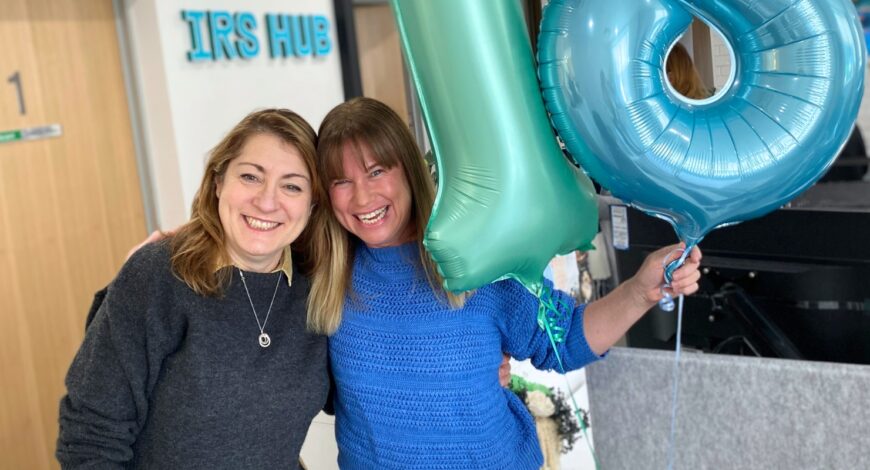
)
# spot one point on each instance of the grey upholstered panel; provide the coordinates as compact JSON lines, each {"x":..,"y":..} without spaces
{"x":734,"y":412}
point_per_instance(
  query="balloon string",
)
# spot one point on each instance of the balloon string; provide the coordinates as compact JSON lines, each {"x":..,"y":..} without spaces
{"x":667,"y":301}
{"x":667,"y":304}
{"x":676,"y":387}
{"x":548,"y":318}
{"x":672,"y":266}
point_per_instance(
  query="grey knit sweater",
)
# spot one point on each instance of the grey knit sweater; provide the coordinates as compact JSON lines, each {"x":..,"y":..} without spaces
{"x":170,"y":379}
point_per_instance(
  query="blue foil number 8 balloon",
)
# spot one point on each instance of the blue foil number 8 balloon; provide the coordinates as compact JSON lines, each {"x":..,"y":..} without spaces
{"x":768,"y":135}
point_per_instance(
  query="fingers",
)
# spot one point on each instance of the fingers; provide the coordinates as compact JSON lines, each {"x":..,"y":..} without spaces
{"x":692,"y":261}
{"x":504,"y":378}
{"x":678,"y":249}
{"x":670,"y":252}
{"x":685,"y":280}
{"x":696,"y":255}
{"x":675,"y":291}
{"x":156,"y":235}
{"x":687,"y":289}
{"x":504,"y":371}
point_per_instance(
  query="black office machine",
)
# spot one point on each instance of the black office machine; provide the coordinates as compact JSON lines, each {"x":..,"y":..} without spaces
{"x":793,"y":284}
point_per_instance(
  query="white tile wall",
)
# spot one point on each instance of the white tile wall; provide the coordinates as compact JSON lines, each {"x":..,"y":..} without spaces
{"x":864,"y":111}
{"x":721,"y":60}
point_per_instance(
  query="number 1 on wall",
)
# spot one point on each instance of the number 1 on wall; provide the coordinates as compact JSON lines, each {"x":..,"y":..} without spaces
{"x":15,"y":79}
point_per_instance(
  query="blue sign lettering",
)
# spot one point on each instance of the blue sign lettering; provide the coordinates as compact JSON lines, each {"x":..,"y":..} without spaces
{"x":248,"y":45}
{"x":197,"y":52}
{"x":221,"y":35}
{"x":322,"y":44}
{"x":220,"y":25}
{"x":279,"y":35}
{"x":302,"y":35}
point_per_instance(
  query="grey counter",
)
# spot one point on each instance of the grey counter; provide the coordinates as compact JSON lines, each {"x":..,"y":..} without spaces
{"x":734,"y":412}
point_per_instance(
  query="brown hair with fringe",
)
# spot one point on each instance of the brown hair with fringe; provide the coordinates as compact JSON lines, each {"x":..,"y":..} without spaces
{"x":200,"y":245}
{"x":371,"y":124}
{"x":683,"y":75}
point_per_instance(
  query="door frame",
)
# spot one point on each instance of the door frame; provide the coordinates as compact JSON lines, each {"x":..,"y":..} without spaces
{"x":131,"y":87}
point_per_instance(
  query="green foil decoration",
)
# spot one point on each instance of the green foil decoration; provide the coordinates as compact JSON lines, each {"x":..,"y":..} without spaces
{"x":508,"y":199}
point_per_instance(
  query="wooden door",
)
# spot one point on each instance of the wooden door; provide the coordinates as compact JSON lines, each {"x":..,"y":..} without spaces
{"x":380,"y":56}
{"x":70,"y":205}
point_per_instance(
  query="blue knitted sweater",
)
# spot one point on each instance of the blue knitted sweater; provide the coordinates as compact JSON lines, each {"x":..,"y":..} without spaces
{"x":417,"y":382}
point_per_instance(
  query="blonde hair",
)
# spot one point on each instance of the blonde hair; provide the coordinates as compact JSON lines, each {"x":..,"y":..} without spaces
{"x":200,"y":245}
{"x":365,"y":123}
{"x":683,"y":75}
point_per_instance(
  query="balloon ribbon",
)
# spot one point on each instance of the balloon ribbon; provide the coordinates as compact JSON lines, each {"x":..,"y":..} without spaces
{"x":549,"y":317}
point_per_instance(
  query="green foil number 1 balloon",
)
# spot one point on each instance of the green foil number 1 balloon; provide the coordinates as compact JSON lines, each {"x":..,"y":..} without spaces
{"x":508,"y":200}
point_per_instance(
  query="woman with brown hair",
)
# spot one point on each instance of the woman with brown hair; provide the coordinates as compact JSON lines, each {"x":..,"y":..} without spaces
{"x":207,"y":351}
{"x":412,"y":363}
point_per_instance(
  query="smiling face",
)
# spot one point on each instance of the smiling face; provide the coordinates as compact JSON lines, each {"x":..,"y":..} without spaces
{"x":264,"y":202}
{"x":372,"y":201}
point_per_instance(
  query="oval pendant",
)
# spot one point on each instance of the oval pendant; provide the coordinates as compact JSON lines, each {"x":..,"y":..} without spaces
{"x":265,"y":340}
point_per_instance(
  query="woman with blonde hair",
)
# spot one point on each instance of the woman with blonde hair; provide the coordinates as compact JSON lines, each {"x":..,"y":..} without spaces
{"x":683,"y":75}
{"x":207,"y":351}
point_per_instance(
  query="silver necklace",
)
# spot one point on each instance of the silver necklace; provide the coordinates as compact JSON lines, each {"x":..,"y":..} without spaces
{"x":264,"y":338}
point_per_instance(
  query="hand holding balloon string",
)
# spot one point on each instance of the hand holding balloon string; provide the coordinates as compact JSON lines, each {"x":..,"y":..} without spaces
{"x":669,"y":272}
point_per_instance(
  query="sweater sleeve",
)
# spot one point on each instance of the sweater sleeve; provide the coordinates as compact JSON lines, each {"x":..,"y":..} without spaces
{"x":522,"y":338}
{"x":115,"y":369}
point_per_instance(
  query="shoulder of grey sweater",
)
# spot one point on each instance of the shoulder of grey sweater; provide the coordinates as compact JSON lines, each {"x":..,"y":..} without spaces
{"x":148,"y":264}
{"x":143,"y":283}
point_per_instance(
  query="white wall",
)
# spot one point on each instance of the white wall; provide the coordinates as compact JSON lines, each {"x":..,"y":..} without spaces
{"x":187,"y":106}
{"x":864,"y":112}
{"x":721,"y":60}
